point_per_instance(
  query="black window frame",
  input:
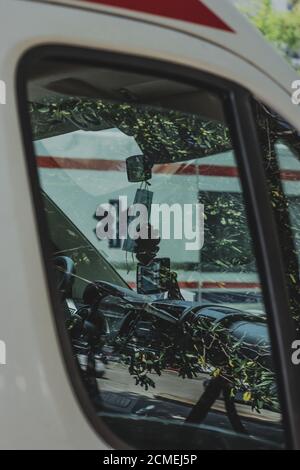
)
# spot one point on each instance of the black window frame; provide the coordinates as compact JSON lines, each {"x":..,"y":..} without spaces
{"x":240,"y":118}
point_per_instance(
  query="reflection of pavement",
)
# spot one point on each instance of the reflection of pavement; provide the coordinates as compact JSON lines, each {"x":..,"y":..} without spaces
{"x":118,"y":379}
{"x":171,"y":388}
{"x":99,"y":366}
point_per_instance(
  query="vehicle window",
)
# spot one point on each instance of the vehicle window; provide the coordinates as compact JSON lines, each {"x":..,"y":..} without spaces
{"x":153,"y":257}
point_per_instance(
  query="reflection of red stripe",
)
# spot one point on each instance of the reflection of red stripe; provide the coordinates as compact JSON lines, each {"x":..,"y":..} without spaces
{"x":290,"y":175}
{"x":230,"y":285}
{"x":214,"y":285}
{"x":81,"y":164}
{"x":174,"y":169}
{"x":191,"y":169}
{"x":119,"y":165}
{"x":193,"y":11}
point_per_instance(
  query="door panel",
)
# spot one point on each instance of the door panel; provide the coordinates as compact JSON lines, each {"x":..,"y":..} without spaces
{"x":172,"y":341}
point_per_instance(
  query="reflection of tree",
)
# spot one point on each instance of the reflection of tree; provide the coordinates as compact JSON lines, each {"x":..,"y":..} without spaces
{"x":294,"y":4}
{"x":203,"y":345}
{"x":272,"y":130}
{"x":164,"y":136}
{"x":227,"y":244}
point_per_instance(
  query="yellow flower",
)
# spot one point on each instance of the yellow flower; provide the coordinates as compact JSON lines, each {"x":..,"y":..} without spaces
{"x":247,"y":396}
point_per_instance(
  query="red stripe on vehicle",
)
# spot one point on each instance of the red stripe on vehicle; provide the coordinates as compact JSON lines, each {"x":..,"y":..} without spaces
{"x":192,"y":169}
{"x":119,"y":165}
{"x":81,"y":164}
{"x":192,"y":11}
{"x":230,"y":285}
{"x":213,"y":285}
{"x":290,"y":175}
{"x":167,"y":169}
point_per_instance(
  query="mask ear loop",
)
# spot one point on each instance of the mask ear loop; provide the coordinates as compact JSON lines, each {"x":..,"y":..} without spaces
{"x":126,"y":261}
{"x":126,"y":252}
{"x":144,"y":185}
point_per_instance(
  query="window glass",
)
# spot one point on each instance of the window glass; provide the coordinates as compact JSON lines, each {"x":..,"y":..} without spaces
{"x":153,"y":258}
{"x":280,"y":143}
